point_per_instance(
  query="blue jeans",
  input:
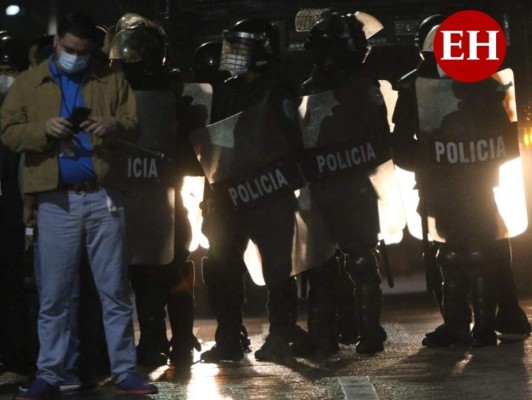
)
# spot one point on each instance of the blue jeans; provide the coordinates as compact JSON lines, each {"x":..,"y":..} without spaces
{"x":67,"y":221}
{"x":72,"y":356}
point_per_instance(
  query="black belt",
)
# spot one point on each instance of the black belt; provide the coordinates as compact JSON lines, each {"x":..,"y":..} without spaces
{"x":80,"y":187}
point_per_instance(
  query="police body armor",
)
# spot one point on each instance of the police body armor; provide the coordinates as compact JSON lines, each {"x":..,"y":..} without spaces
{"x":348,"y":162}
{"x":248,"y":162}
{"x":467,"y":143}
{"x":151,"y":175}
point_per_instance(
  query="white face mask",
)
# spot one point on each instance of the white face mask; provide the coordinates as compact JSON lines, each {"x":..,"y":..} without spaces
{"x":71,"y":63}
{"x":5,"y":82}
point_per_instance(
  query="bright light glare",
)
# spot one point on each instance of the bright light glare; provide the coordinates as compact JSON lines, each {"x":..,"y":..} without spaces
{"x":391,"y":210}
{"x":254,"y":263}
{"x":192,"y":195}
{"x":510,"y":197}
{"x":12,"y":10}
{"x":407,"y":182}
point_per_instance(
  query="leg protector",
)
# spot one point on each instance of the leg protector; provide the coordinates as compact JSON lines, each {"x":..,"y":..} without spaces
{"x":347,"y":308}
{"x":483,"y":298}
{"x":181,"y":313}
{"x":511,"y":321}
{"x":323,"y":301}
{"x":477,"y":261}
{"x":369,"y":302}
{"x":456,"y":311}
{"x":150,"y":300}
{"x":225,"y":286}
{"x":225,"y":291}
{"x":282,"y":307}
{"x":362,"y":268}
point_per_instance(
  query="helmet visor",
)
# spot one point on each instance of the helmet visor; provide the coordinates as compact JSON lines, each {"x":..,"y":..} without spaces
{"x":236,"y":57}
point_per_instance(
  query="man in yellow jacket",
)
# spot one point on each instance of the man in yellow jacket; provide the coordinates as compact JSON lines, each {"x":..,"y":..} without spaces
{"x":70,"y":115}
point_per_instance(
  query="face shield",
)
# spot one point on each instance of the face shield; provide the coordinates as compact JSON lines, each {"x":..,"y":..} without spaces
{"x":135,"y":52}
{"x":306,"y":18}
{"x":236,"y":53}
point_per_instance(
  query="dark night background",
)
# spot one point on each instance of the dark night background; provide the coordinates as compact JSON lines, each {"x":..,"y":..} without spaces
{"x":192,"y":22}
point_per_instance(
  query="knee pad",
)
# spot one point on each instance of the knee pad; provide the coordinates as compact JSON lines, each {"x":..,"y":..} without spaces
{"x":476,"y":260}
{"x":362,"y":266}
{"x":447,"y":258}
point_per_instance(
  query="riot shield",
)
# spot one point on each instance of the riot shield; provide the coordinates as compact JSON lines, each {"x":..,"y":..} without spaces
{"x":150,"y":198}
{"x":468,"y":145}
{"x":198,"y":98}
{"x":147,"y":160}
{"x":249,"y":163}
{"x":348,"y":163}
{"x":246,"y":157}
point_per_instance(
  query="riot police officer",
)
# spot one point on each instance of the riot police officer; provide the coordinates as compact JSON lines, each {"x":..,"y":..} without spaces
{"x":346,"y":199}
{"x":206,"y":69}
{"x":206,"y":63}
{"x":160,"y":272}
{"x":250,"y":53}
{"x":473,"y":258}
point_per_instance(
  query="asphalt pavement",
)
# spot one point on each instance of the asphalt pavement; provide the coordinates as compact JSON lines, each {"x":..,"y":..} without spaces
{"x":404,"y":371}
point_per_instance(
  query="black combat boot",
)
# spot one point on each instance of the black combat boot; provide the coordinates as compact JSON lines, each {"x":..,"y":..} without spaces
{"x":150,"y":301}
{"x":282,"y":314}
{"x":226,"y":298}
{"x":227,"y":348}
{"x":511,"y":321}
{"x":347,"y":310}
{"x":483,"y":298}
{"x":322,"y":308}
{"x":456,"y":316}
{"x":455,"y":304}
{"x":369,"y":302}
{"x":181,"y":316}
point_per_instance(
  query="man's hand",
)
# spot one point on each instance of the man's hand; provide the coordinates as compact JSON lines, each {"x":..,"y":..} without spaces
{"x":58,"y":128}
{"x":30,"y":211}
{"x":99,"y":127}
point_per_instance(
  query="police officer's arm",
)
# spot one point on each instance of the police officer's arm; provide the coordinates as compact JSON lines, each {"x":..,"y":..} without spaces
{"x":19,"y":134}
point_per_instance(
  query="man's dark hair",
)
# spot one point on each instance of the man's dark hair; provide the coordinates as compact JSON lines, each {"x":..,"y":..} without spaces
{"x":79,"y":25}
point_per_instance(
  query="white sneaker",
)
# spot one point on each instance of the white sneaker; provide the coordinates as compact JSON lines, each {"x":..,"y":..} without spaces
{"x":72,"y":387}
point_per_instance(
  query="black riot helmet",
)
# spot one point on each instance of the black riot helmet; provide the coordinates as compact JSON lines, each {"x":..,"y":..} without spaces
{"x":250,"y":44}
{"x":131,"y":20}
{"x":138,"y":51}
{"x":13,"y":52}
{"x":140,"y":38}
{"x":207,"y":57}
{"x":206,"y":63}
{"x":336,"y":40}
{"x":424,"y":28}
